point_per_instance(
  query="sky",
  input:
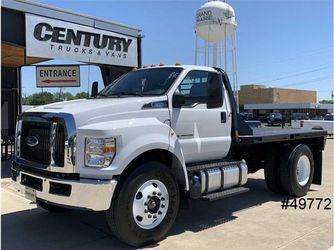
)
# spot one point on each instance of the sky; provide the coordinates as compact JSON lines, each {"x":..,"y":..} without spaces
{"x":280,"y":43}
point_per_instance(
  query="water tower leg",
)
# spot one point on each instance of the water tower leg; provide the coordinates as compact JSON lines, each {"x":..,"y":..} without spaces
{"x":235,"y":70}
{"x":196,"y":49}
{"x":205,"y":51}
{"x":209,"y":31}
{"x":220,"y":53}
{"x":225,"y":50}
{"x":214,"y":56}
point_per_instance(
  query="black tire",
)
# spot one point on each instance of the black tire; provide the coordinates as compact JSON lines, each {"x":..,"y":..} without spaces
{"x":288,"y":170}
{"x":51,"y":208}
{"x":120,"y":216}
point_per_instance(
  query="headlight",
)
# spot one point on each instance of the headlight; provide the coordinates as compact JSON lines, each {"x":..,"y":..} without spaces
{"x":73,"y":148}
{"x":100,"y":152}
{"x":18,"y":138}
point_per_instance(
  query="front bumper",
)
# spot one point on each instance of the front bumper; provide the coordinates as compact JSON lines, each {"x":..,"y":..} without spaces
{"x":84,"y":193}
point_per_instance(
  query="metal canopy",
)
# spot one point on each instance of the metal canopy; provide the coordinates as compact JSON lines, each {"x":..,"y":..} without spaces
{"x":13,"y":31}
{"x":64,"y":15}
{"x":14,"y":51}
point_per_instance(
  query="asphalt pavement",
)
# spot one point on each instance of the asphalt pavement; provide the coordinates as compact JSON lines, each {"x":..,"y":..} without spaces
{"x":254,"y":220}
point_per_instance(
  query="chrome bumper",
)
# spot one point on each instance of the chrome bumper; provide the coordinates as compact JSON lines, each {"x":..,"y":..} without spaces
{"x":85,"y":193}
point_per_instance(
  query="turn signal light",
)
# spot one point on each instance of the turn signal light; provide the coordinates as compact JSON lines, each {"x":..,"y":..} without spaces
{"x":109,"y":149}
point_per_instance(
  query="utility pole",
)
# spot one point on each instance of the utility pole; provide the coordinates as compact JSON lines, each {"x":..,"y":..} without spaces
{"x":60,"y":94}
{"x":332,"y":96}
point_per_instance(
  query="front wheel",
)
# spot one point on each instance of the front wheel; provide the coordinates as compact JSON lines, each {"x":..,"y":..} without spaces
{"x":297,"y":168}
{"x":144,"y":205}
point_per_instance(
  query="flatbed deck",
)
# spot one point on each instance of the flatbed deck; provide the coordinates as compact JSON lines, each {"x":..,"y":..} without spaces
{"x":265,"y":135}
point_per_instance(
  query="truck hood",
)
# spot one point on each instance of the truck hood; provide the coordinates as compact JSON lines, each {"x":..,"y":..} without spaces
{"x":87,"y":111}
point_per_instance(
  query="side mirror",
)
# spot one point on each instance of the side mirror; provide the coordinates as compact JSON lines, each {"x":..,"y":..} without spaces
{"x":214,"y":91}
{"x":178,"y":100}
{"x":95,"y":89}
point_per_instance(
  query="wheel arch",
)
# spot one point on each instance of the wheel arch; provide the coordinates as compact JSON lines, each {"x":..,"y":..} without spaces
{"x":163,"y":156}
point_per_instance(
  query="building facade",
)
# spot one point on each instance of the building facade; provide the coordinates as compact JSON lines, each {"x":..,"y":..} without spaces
{"x":260,"y":101}
{"x":260,"y":94}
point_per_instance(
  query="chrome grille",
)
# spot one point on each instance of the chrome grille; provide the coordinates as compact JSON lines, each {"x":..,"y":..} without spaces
{"x":56,"y":134}
{"x":39,"y":153}
{"x":59,"y":145}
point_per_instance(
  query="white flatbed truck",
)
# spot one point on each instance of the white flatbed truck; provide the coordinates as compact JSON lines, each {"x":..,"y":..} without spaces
{"x":150,"y":142}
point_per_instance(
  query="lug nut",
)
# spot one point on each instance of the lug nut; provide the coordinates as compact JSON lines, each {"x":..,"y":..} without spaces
{"x":159,"y":194}
{"x":162,"y":205}
{"x":145,"y":211}
{"x":154,"y":193}
{"x":154,"y":216}
{"x":162,"y":198}
{"x":149,"y":216}
{"x":145,"y":204}
{"x":149,"y":197}
{"x":159,"y":212}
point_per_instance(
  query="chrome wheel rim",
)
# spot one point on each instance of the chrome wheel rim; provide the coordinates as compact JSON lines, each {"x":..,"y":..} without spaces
{"x":150,"y":204}
{"x":303,"y":170}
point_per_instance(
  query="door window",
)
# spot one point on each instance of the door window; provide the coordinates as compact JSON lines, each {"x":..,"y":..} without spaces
{"x":193,"y":87}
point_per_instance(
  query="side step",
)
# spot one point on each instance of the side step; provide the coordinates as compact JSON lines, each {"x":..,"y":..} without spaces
{"x":192,"y":168}
{"x":224,"y":193}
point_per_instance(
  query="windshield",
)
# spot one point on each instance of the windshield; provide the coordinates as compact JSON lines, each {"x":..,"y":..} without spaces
{"x":147,"y":82}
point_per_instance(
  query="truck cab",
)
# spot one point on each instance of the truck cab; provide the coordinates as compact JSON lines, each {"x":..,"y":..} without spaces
{"x":150,"y":141}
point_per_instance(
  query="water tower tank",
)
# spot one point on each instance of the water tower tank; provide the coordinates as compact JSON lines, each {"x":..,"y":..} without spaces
{"x":215,"y":20}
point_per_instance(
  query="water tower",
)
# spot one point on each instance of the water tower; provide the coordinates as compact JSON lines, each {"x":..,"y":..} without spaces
{"x":215,"y":42}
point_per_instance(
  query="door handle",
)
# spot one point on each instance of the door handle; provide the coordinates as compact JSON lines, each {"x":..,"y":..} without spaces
{"x":223,"y":117}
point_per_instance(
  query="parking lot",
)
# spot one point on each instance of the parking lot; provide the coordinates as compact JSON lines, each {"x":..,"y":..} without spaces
{"x":254,"y":220}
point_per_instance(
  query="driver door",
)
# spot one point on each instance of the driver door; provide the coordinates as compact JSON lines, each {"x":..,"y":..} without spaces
{"x":204,"y":134}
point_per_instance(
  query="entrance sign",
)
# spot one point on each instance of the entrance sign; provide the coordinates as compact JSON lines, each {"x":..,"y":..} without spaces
{"x":55,"y":39}
{"x":58,"y":76}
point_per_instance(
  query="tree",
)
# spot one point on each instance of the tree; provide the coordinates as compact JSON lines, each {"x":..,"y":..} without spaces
{"x":81,"y":95}
{"x":326,"y":102}
{"x":47,"y":97}
{"x":25,"y":100}
{"x":40,"y":98}
{"x":65,"y":96}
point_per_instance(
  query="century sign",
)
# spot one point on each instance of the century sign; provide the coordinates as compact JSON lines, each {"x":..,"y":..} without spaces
{"x":49,"y":38}
{"x":58,"y":76}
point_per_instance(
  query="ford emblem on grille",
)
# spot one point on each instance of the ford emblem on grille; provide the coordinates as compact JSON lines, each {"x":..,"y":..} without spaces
{"x":31,"y":141}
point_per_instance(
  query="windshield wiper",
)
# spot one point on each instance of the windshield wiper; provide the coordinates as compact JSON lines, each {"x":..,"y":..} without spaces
{"x":100,"y":94}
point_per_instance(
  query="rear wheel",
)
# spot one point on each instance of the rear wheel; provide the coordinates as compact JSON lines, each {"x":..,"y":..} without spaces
{"x":297,"y":168}
{"x":145,"y":205}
